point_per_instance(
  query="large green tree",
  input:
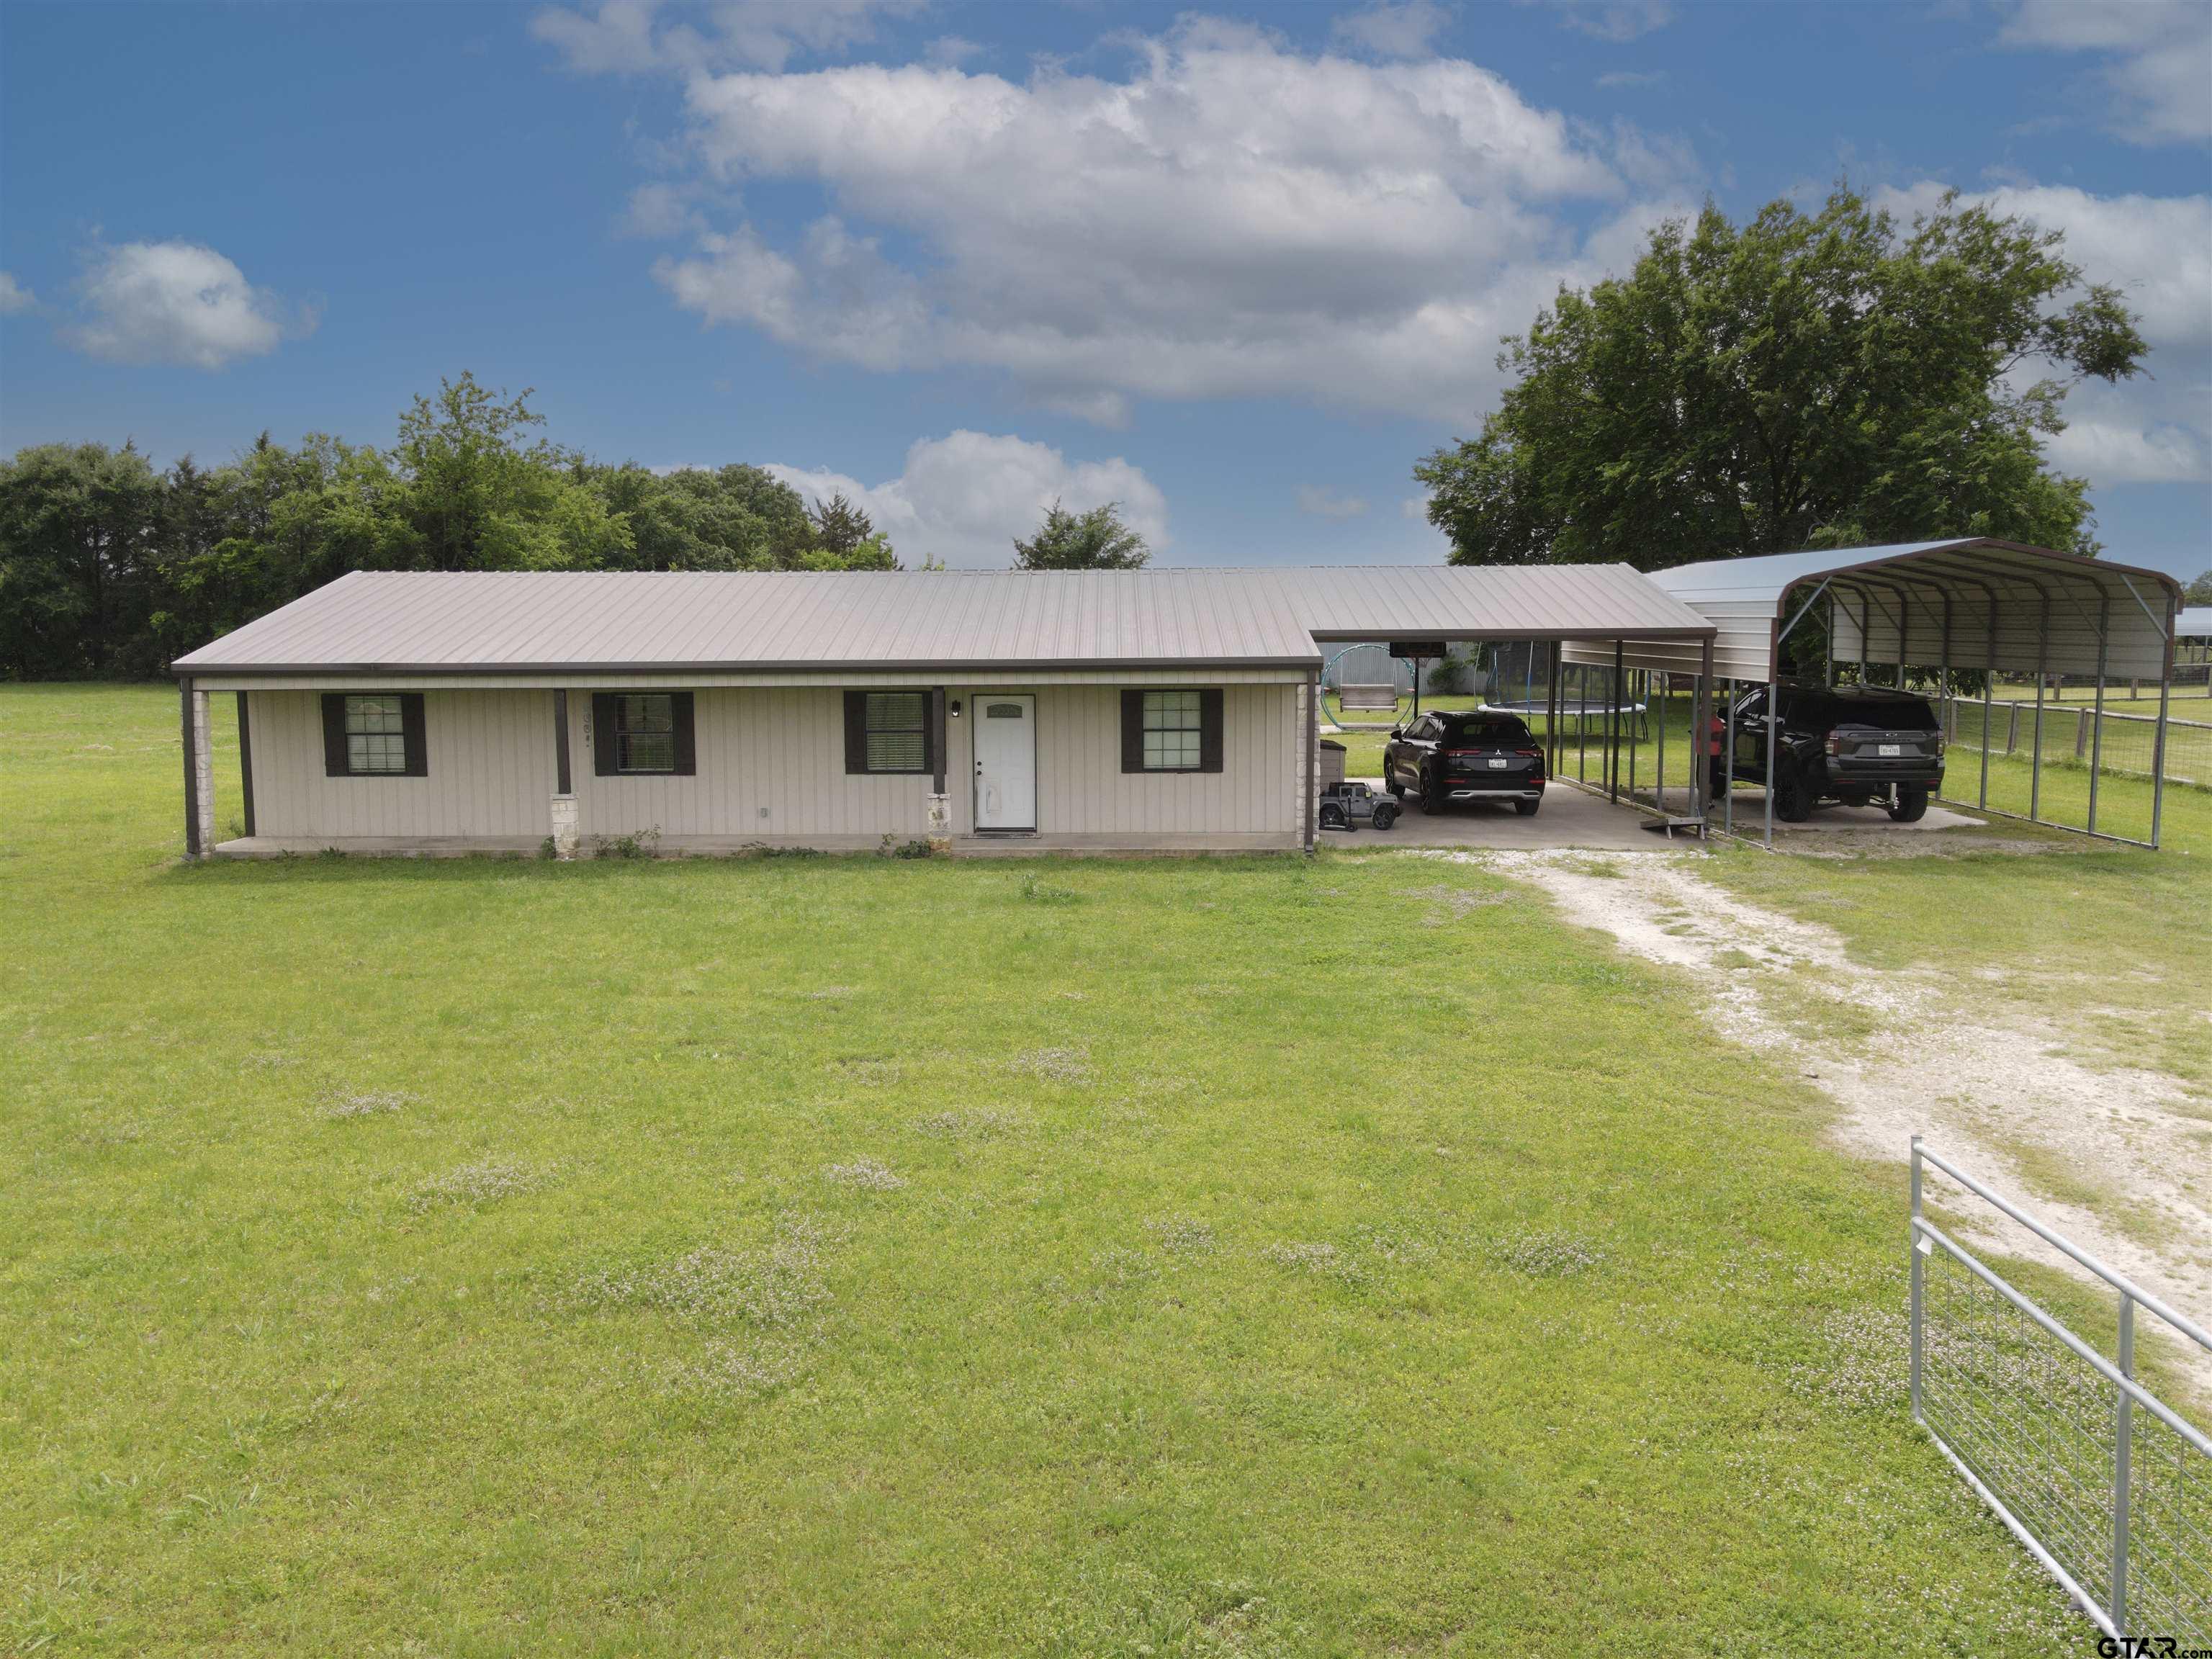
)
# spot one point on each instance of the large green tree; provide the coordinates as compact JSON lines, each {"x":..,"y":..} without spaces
{"x":1829,"y":378}
{"x":1097,"y":540}
{"x":79,"y":576}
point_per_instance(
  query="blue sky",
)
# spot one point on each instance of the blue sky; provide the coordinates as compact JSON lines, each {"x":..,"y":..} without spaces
{"x":1237,"y":268}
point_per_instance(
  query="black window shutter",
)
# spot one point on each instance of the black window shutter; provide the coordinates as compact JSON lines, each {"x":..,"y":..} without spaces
{"x":417,"y":736}
{"x":687,"y":741}
{"x":1133,"y":731}
{"x":334,"y":744}
{"x":856,"y":731}
{"x":603,"y":734}
{"x":1209,"y":731}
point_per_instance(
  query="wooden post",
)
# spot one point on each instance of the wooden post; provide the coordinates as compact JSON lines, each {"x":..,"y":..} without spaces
{"x":187,"y":711}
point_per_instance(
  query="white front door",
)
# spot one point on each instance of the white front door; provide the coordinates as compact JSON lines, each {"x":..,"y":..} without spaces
{"x":1005,"y":762}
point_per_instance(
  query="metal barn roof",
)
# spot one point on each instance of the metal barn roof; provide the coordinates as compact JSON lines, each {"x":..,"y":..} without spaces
{"x":394,"y":621}
{"x":1973,"y":602}
{"x":2194,"y":624}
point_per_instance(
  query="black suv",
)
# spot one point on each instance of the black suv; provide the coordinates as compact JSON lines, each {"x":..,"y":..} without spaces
{"x":1855,"y":744}
{"x":1474,"y":757}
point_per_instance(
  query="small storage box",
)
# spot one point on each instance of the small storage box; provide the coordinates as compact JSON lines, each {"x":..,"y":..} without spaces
{"x":1332,"y":763}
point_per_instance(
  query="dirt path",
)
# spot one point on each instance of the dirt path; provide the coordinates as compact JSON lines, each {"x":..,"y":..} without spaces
{"x":1992,"y":1088}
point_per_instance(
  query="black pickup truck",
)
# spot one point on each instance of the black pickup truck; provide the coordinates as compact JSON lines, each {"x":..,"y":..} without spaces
{"x":1855,"y":744}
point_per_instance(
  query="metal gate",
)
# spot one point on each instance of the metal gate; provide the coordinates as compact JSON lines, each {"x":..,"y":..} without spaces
{"x":2106,"y":1486}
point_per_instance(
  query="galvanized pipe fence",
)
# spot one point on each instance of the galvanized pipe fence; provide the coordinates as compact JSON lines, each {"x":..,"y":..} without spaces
{"x":2106,"y":1485}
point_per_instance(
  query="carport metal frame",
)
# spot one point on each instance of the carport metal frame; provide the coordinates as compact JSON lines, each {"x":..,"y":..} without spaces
{"x":1556,"y":702}
{"x":1789,"y":586}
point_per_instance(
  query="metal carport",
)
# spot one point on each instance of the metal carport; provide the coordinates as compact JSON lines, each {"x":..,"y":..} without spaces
{"x":1971,"y":603}
{"x":1566,"y":607}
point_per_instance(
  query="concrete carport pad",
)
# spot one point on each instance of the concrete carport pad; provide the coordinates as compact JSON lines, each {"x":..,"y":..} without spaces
{"x":1570,"y":816}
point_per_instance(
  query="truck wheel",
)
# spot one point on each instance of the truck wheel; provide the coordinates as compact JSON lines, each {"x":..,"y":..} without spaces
{"x":1793,"y":798}
{"x":1332,"y":818}
{"x":1385,"y":815}
{"x":1912,"y":806}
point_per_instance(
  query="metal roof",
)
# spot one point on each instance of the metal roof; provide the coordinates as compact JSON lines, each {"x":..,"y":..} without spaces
{"x":2194,"y":624}
{"x":1493,"y":602}
{"x":396,"y":621}
{"x":1973,"y":602}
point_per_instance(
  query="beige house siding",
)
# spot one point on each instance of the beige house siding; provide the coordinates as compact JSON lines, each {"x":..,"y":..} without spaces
{"x":783,"y":751}
{"x":490,"y":768}
{"x":1082,"y":790}
{"x":771,"y":767}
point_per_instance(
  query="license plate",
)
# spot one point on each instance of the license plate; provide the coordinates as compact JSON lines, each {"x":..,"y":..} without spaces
{"x":1499,"y":765}
{"x":1890,"y":750}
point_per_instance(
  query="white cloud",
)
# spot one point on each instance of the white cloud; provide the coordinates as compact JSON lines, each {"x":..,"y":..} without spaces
{"x":1322,"y":504}
{"x":965,"y":496}
{"x":2124,"y":451}
{"x":1391,"y":28}
{"x":1414,"y":507}
{"x":2158,"y":72}
{"x":628,"y":37}
{"x":1620,"y":23}
{"x":1231,"y":218}
{"x":14,"y":296}
{"x":659,"y":211}
{"x":177,"y":303}
{"x":950,"y":49}
{"x":2156,"y":428}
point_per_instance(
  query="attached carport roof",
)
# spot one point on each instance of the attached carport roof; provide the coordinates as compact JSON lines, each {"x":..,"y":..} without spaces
{"x":2195,"y":623}
{"x":1491,"y":601}
{"x":1973,"y":602}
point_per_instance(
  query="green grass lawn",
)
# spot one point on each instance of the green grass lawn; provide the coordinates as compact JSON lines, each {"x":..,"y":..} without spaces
{"x":855,"y":1256}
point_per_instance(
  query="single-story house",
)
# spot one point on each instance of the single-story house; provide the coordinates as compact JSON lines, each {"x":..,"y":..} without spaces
{"x":1151,"y":709}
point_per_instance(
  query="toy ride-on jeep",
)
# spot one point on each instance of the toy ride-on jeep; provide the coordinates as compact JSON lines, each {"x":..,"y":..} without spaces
{"x":1346,"y":806}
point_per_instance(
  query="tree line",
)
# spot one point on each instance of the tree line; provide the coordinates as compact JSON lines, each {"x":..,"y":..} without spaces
{"x":110,"y":568}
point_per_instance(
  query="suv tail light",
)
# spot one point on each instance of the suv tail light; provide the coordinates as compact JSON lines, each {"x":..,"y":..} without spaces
{"x":1939,"y":744}
{"x":1835,"y":744}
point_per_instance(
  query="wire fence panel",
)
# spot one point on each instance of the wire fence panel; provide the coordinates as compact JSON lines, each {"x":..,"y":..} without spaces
{"x":2107,"y":1487}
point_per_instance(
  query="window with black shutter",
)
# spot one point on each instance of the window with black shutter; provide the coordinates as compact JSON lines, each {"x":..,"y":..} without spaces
{"x":374,"y":735}
{"x":887,"y":732}
{"x":643,"y":734}
{"x":1171,"y":731}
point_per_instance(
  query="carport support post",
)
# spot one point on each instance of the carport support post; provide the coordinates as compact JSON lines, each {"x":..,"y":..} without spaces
{"x":1556,"y":697}
{"x":1989,"y":698}
{"x":1701,"y":720}
{"x":1613,"y":731}
{"x":2158,"y":743}
{"x":1773,"y":725}
{"x":2097,"y":708}
{"x":2042,"y":673}
{"x":1728,"y":765}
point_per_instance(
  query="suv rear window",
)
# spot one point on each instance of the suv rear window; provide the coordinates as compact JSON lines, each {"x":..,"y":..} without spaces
{"x":1892,"y":713}
{"x":1494,"y":730}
